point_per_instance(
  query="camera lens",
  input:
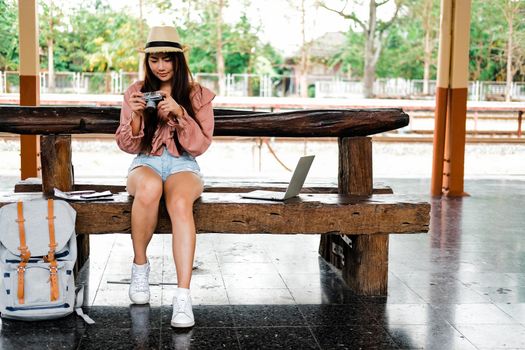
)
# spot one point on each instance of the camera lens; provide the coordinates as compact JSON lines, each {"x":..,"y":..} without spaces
{"x":150,"y":104}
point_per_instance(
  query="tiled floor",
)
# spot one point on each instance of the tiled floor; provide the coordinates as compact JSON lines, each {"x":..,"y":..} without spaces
{"x":461,"y":286}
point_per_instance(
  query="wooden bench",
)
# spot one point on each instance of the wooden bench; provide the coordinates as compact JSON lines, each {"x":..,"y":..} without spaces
{"x":355,"y":222}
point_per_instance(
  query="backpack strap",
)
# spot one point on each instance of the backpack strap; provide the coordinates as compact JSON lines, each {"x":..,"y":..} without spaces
{"x":50,"y":258}
{"x":25,"y":254}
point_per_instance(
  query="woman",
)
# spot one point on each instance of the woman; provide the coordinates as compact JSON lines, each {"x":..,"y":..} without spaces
{"x":167,"y":140}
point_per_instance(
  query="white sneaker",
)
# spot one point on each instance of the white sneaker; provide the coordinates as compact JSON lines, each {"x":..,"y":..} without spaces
{"x":139,"y":286}
{"x":182,"y":312}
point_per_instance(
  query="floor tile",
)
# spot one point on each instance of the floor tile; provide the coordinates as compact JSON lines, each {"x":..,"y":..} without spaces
{"x":53,"y":339}
{"x":494,"y":336}
{"x":436,"y":335}
{"x":267,"y":315}
{"x":309,"y":280}
{"x":453,"y":294}
{"x":109,"y":337}
{"x":248,"y":268}
{"x":266,"y":281}
{"x":324,"y":295}
{"x":132,"y":316}
{"x":64,"y":333}
{"x":506,"y":294}
{"x":516,"y":311}
{"x":276,"y":338}
{"x":353,"y":337}
{"x":313,"y":265}
{"x":486,"y":279}
{"x":259,"y":296}
{"x":397,"y":293}
{"x":473,"y":314}
{"x":118,"y":295}
{"x":394,"y":314}
{"x":200,"y":338}
{"x":342,"y":315}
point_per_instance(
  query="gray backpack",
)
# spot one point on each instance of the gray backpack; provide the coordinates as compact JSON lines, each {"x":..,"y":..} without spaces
{"x":38,"y":251}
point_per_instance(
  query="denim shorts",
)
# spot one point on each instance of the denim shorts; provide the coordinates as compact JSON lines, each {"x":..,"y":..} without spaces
{"x":166,"y":164}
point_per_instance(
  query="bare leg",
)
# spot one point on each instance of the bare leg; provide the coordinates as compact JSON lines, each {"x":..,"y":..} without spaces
{"x":180,"y":191}
{"x":146,"y":186}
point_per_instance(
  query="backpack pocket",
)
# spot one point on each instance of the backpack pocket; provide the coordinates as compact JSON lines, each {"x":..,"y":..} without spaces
{"x":37,"y":287}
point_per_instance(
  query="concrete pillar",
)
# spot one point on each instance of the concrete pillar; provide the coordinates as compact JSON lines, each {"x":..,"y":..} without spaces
{"x":29,"y":81}
{"x":451,"y":99}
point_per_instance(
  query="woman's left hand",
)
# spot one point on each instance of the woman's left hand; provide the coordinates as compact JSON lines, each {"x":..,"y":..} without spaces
{"x":169,"y":108}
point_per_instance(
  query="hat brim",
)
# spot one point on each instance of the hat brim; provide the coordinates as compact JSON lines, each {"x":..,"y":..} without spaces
{"x":158,"y":49}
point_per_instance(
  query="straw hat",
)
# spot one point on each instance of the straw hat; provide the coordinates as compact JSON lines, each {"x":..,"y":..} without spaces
{"x":164,"y":39}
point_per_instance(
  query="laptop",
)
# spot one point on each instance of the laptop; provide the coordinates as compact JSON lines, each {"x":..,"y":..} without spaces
{"x":294,"y":187}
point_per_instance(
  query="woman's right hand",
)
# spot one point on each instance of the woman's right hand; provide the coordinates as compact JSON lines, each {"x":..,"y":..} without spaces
{"x":137,"y":103}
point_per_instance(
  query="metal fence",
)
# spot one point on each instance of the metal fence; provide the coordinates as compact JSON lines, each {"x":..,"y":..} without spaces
{"x":321,"y":86}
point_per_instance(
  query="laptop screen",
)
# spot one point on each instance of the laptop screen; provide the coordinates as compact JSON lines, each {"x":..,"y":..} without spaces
{"x":299,"y":176}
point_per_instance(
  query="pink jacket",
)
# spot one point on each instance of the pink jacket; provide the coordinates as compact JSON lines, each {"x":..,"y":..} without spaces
{"x":193,"y":138}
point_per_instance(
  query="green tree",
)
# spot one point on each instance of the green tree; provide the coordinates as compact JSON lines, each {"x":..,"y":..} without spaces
{"x":9,"y":35}
{"x":513,"y":11}
{"x":103,"y":39}
{"x":374,"y":30}
{"x":240,"y":45}
{"x":51,"y":27}
{"x":412,"y":43}
{"x":486,"y":46}
{"x":350,"y":57}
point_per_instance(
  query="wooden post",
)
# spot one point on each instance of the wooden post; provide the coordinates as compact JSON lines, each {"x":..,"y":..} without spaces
{"x":355,"y":165}
{"x":363,"y":259}
{"x":57,"y":171}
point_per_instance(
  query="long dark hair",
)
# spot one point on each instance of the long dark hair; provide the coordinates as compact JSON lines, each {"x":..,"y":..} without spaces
{"x":181,"y":85}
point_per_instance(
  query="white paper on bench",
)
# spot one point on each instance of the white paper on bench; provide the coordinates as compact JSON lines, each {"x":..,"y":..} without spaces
{"x":93,"y":196}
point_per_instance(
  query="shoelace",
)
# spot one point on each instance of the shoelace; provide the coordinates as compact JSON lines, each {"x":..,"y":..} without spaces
{"x":140,"y":282}
{"x":181,"y":304}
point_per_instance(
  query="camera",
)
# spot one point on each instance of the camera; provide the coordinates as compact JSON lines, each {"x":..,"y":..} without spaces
{"x":152,"y":98}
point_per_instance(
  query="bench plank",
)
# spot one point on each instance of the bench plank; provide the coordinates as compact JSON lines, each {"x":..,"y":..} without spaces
{"x":229,"y":213}
{"x":211,"y":185}
{"x":305,"y":123}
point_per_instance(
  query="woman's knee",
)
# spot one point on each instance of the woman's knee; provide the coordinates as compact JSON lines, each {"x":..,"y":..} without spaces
{"x":179,"y":206}
{"x":148,"y":192}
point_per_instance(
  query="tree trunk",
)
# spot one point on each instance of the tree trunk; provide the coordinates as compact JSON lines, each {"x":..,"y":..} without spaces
{"x":427,"y":26}
{"x":426,"y":64}
{"x":50,"y":66}
{"x":508,"y":85}
{"x":50,"y":49}
{"x":107,"y":82}
{"x":303,"y":67}
{"x":220,"y":57}
{"x":370,"y":50}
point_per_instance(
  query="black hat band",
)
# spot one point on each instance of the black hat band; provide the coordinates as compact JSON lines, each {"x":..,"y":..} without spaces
{"x":163,"y":43}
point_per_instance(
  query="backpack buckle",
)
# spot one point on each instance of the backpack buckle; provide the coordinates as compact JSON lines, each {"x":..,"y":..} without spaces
{"x":49,"y":257}
{"x":25,"y":254}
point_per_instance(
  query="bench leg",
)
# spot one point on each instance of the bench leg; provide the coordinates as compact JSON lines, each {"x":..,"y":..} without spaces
{"x":82,"y":251}
{"x":363,"y":260}
{"x":57,"y":170}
